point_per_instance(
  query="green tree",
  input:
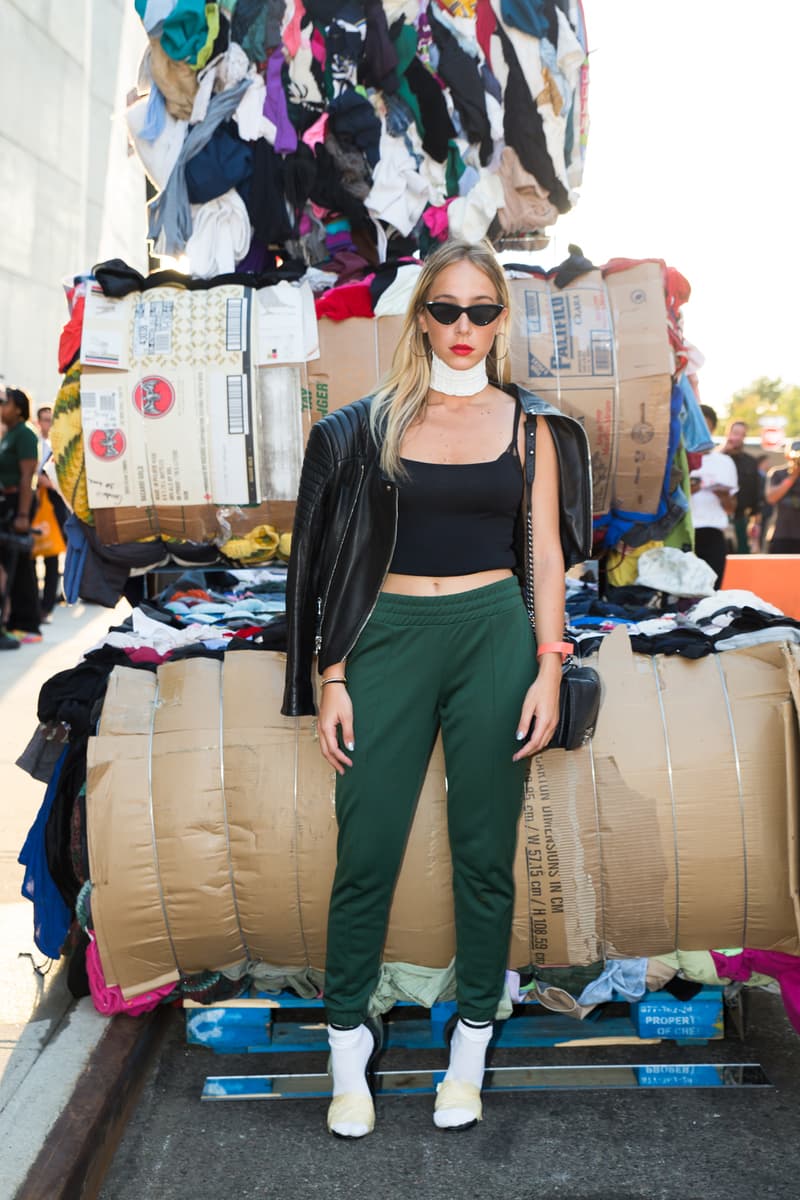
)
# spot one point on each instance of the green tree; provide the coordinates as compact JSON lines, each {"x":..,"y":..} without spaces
{"x":763,"y":397}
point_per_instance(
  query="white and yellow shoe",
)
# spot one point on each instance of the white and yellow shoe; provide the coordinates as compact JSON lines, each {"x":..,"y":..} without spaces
{"x":351,"y":1113}
{"x":458,"y":1105}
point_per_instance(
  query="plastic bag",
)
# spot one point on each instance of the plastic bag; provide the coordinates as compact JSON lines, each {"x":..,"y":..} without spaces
{"x":48,"y":540}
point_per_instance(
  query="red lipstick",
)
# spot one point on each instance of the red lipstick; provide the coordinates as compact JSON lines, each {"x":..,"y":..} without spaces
{"x":461,"y":348}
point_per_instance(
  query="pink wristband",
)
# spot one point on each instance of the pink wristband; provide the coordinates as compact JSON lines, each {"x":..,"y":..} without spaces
{"x":565,"y":649}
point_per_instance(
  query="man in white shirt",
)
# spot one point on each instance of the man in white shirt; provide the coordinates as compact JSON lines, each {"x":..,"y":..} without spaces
{"x":714,"y":486}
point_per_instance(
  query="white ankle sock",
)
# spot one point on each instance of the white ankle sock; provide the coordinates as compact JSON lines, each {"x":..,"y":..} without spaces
{"x":467,"y":1061}
{"x":350,"y":1053}
{"x":468,"y":1053}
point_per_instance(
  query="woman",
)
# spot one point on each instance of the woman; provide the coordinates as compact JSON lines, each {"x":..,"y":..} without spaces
{"x":410,"y":532}
{"x":19,"y":454}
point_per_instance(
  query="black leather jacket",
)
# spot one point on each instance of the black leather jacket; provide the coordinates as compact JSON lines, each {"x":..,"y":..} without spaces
{"x":346,"y":522}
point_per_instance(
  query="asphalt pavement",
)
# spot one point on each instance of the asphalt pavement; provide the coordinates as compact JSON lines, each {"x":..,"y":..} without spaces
{"x":651,"y":1144}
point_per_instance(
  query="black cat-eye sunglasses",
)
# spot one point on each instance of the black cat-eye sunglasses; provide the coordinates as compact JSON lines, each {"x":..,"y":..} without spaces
{"x":478,"y":314}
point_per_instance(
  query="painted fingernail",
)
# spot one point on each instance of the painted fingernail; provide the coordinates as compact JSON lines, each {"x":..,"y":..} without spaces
{"x":350,"y":745}
{"x":520,"y":734}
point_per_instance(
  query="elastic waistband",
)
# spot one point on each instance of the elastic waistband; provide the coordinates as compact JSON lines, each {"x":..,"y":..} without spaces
{"x":501,"y":597}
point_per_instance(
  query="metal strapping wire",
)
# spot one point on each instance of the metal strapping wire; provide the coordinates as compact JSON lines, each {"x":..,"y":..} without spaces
{"x":738,"y":764}
{"x":612,"y":466}
{"x":671,"y":797}
{"x":525,"y":811}
{"x":156,"y":862}
{"x":296,"y":838}
{"x":225,"y":811}
{"x":599,"y":848}
{"x":555,"y":348}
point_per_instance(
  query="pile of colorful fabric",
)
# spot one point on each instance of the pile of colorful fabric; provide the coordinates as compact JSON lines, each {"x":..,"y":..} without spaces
{"x":346,"y":132}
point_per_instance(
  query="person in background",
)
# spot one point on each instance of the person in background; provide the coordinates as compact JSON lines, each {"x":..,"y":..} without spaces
{"x":7,"y":642}
{"x":49,"y":596}
{"x":714,"y":486}
{"x":759,"y":524}
{"x":748,"y":497}
{"x":783,"y":492}
{"x":19,"y":456}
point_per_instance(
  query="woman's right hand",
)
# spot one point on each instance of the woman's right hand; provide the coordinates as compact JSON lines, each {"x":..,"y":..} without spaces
{"x":335,"y":711}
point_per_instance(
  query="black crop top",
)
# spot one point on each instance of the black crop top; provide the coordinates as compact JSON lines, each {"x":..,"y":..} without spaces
{"x":458,"y":518}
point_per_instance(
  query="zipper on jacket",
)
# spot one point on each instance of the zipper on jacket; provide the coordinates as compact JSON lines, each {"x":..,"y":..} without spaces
{"x":383,"y":578}
{"x":323,"y":600}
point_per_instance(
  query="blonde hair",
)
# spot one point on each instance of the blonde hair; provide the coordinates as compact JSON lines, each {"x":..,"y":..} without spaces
{"x":402,"y":394}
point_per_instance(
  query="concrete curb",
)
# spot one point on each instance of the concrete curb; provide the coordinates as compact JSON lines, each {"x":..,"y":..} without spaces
{"x":82,"y":1141}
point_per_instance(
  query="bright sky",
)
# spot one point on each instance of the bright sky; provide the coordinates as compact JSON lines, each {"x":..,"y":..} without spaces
{"x":693,"y":157}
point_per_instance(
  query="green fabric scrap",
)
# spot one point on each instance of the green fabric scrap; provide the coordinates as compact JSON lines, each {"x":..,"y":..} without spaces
{"x":212,"y":18}
{"x":569,"y":979}
{"x":405,"y":44}
{"x":306,"y":982}
{"x":681,"y":535}
{"x":185,"y":31}
{"x":254,"y":42}
{"x":425,"y":986}
{"x":454,"y":168}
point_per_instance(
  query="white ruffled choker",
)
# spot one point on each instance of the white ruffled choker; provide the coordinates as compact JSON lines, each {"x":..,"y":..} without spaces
{"x":457,"y":383}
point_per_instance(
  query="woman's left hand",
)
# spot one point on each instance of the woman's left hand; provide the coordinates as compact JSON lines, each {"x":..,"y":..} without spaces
{"x":540,"y":709}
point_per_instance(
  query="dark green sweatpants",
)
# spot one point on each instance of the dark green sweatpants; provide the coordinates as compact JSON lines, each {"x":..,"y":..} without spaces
{"x":464,"y":663}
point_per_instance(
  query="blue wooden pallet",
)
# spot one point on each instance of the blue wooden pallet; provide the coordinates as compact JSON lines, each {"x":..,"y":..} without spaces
{"x":264,"y":1023}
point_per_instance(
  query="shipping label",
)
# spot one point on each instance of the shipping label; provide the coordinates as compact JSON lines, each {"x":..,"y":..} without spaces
{"x":567,"y":334}
{"x":104,"y":337}
{"x":285,"y":324}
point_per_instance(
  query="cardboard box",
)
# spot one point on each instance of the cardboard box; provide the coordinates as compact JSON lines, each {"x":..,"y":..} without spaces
{"x":278,"y":392}
{"x":669,"y":830}
{"x":599,"y":350}
{"x":190,"y":523}
{"x":173,"y":422}
{"x":353,"y":356}
{"x":193,"y":398}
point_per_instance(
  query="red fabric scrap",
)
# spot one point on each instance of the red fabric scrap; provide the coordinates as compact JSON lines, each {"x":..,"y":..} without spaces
{"x":69,"y":345}
{"x":349,"y":300}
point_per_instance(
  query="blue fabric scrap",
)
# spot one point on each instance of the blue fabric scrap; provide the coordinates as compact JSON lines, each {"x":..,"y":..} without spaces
{"x":51,"y":916}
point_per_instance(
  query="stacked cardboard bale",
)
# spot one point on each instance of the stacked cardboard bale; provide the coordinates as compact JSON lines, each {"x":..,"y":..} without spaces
{"x":211,"y":829}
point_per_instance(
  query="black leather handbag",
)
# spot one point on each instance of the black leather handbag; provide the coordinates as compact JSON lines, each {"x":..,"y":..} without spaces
{"x":579,"y":701}
{"x":579,"y":704}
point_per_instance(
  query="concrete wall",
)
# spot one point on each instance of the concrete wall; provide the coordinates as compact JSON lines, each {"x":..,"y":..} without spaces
{"x":70,"y":194}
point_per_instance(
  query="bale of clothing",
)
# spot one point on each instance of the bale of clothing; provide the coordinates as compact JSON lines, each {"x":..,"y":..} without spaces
{"x":349,"y":131}
{"x":186,"y":841}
